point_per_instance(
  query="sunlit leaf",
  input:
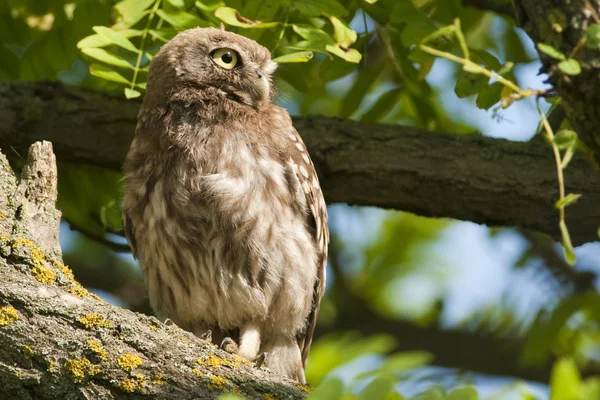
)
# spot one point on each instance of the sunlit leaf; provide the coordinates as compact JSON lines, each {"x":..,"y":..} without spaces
{"x":343,"y":34}
{"x":181,"y":19}
{"x":463,"y":393}
{"x":131,"y":11}
{"x":565,"y":138}
{"x":232,"y":17}
{"x":115,"y":38}
{"x":550,"y":51}
{"x":106,"y":57}
{"x":378,"y":388}
{"x":570,"y":67}
{"x":106,"y":73}
{"x":163,"y":34}
{"x":301,"y":56}
{"x":97,"y":40}
{"x":592,"y":35}
{"x":331,"y":389}
{"x":350,"y":55}
{"x":131,"y":93}
{"x":569,"y":199}
{"x":565,"y":382}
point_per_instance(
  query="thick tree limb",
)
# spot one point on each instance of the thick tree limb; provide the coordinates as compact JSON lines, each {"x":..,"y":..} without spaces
{"x":473,"y":178}
{"x":59,"y":342}
{"x":562,"y":24}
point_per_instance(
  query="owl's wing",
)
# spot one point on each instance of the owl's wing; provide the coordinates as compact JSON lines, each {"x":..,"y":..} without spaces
{"x":128,"y":230}
{"x":308,"y":198}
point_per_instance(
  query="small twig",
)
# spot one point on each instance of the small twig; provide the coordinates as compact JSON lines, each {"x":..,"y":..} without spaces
{"x":116,"y":247}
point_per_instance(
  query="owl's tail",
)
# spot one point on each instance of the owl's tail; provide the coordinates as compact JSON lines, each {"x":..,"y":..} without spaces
{"x":284,"y":358}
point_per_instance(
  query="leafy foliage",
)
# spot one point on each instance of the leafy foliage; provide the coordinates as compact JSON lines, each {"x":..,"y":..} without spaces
{"x":370,"y":60}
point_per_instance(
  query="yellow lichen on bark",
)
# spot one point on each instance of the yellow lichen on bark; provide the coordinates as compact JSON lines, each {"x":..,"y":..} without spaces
{"x":8,"y":315}
{"x":97,"y":347}
{"x":129,"y":362}
{"x":81,"y":369}
{"x":94,"y":319}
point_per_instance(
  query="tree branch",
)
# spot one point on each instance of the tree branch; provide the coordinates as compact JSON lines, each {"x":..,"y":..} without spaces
{"x":473,"y":178}
{"x":58,"y":341}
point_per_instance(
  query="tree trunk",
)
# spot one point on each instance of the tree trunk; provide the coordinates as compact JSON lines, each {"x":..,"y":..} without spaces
{"x":58,"y":341}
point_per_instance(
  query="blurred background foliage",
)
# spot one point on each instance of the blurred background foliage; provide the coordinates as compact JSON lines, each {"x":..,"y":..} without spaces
{"x":415,"y":308}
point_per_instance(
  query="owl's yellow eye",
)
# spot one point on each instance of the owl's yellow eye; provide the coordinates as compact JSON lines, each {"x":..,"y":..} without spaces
{"x":225,"y":58}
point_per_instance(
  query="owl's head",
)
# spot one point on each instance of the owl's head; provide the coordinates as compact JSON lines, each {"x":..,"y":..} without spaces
{"x":208,"y":58}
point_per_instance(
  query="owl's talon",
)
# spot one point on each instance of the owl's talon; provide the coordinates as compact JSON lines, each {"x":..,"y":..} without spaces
{"x":229,"y":345}
{"x":207,"y":336}
{"x":168,"y":322}
{"x":260,"y":359}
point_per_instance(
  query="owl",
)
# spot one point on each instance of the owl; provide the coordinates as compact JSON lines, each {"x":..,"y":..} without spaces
{"x":222,"y":205}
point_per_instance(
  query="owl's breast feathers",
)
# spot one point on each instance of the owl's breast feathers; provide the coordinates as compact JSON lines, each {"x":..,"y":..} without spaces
{"x":228,"y":221}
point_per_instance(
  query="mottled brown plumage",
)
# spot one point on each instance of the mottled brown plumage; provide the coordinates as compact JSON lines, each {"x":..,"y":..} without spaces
{"x":222,"y":205}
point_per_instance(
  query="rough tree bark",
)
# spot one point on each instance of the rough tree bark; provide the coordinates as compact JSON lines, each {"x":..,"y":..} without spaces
{"x":57,"y":341}
{"x":474,"y":178}
{"x":562,"y":24}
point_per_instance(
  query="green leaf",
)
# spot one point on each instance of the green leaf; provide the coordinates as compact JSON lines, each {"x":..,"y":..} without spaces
{"x":331,"y":70}
{"x":331,"y":389}
{"x":181,"y":19}
{"x":314,"y":36}
{"x":592,"y":35}
{"x":106,"y":57}
{"x":567,"y":200}
{"x":486,"y":58}
{"x":115,"y":38}
{"x":551,"y":51}
{"x":406,"y":11}
{"x":378,"y":388}
{"x":414,"y":33}
{"x":406,"y":360}
{"x":350,"y":55}
{"x":163,"y":34}
{"x":463,"y":393}
{"x":300,"y":56}
{"x":567,"y":157}
{"x":101,"y":41}
{"x":570,"y":67}
{"x":108,"y":74}
{"x":565,"y":138}
{"x":433,"y":393}
{"x":565,"y":381}
{"x":371,"y":1}
{"x":131,"y":93}
{"x":328,"y":7}
{"x":232,"y":17}
{"x":382,"y":106}
{"x":343,"y":34}
{"x":352,"y":100}
{"x":131,"y":11}
{"x":489,"y":95}
{"x":470,"y":84}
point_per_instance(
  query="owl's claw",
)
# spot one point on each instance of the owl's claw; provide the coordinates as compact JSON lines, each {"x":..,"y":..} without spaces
{"x":260,"y":359}
{"x":207,"y":336}
{"x":229,"y":345}
{"x":168,"y":322}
